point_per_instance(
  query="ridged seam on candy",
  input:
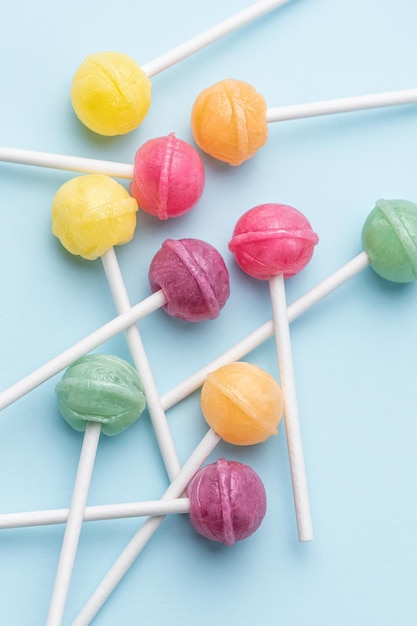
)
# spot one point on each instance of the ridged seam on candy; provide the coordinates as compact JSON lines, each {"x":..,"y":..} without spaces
{"x":194,"y":268}
{"x":398,"y":224}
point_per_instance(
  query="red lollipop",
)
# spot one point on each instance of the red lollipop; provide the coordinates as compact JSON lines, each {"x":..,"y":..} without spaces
{"x":272,"y":242}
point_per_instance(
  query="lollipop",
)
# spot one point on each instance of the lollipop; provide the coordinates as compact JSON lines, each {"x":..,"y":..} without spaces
{"x":111,"y":94}
{"x":263,"y":409}
{"x":272,"y":242}
{"x":87,"y":215}
{"x":193,"y":277}
{"x":167,"y":175}
{"x":98,"y":393}
{"x":91,"y":214}
{"x":239,"y":402}
{"x":226,"y":503}
{"x":389,"y":240}
{"x":406,"y":213}
{"x":229,"y":120}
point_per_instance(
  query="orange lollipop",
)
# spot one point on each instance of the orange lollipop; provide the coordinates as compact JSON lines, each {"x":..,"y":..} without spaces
{"x":228,"y":121}
{"x":242,"y":403}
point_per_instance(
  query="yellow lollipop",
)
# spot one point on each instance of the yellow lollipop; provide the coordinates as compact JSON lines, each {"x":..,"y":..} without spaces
{"x":93,"y":213}
{"x":110,"y":93}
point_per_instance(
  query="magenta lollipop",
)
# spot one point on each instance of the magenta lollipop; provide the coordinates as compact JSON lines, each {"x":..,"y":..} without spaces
{"x":227,"y":501}
{"x":272,"y":242}
{"x":193,"y":276}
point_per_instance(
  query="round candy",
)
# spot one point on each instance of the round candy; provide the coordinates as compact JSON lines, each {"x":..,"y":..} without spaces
{"x":193,"y":277}
{"x":92,"y":213}
{"x":227,"y":501}
{"x":228,"y":121}
{"x":389,"y":237}
{"x":168,"y":177}
{"x":272,"y":239}
{"x":110,"y":93}
{"x":101,"y":388}
{"x":242,"y":403}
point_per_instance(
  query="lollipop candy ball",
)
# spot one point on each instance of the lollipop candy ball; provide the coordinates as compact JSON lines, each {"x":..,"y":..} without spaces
{"x":92,"y":213}
{"x":193,"y":277}
{"x":110,"y":94}
{"x":242,"y":403}
{"x":168,"y":177}
{"x":101,"y":388}
{"x":228,"y":121}
{"x":272,"y":239}
{"x":389,"y":237}
{"x":227,"y":501}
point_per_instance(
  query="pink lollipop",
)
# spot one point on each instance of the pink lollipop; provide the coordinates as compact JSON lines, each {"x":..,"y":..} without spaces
{"x":226,"y":502}
{"x":272,"y":242}
{"x":193,"y":277}
{"x":168,"y":177}
{"x":167,"y":174}
{"x":272,"y":239}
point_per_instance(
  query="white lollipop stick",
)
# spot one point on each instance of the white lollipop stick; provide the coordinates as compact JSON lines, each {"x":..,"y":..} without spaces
{"x":137,"y":350}
{"x":74,"y":523}
{"x":145,"y":532}
{"x":342,"y":105}
{"x":192,"y":383}
{"x":256,"y":10}
{"x":292,"y":421}
{"x":96,"y":513}
{"x":277,"y":114}
{"x":69,"y":163}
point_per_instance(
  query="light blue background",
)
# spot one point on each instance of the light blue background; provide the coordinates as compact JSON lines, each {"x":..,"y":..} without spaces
{"x":354,"y":353}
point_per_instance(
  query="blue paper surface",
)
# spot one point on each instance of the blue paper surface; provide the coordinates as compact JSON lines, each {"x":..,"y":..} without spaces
{"x":354,"y":353}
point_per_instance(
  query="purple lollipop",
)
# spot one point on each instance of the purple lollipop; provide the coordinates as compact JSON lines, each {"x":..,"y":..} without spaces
{"x":194,"y":278}
{"x":227,"y":501}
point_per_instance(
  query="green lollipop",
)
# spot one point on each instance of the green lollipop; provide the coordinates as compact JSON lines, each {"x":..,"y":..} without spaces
{"x":390,"y":241}
{"x":98,"y":393}
{"x":101,"y":388}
